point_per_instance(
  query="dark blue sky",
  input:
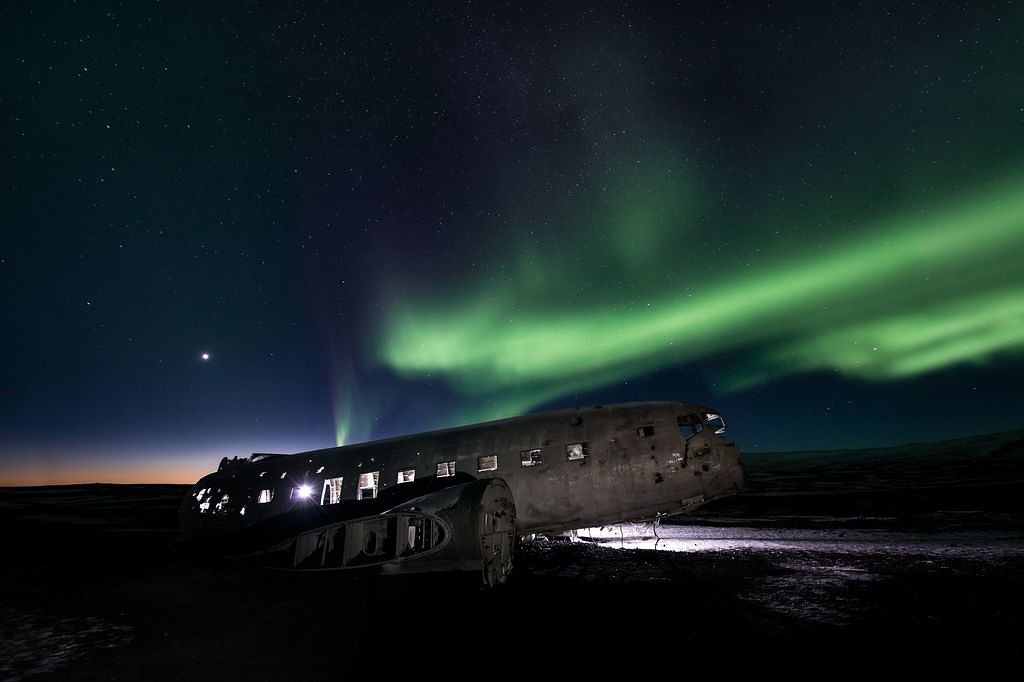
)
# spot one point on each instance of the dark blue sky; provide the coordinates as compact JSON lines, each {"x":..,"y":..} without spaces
{"x":380,"y":219}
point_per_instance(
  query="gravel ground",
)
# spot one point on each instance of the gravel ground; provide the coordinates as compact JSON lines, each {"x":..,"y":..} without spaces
{"x":814,"y":563}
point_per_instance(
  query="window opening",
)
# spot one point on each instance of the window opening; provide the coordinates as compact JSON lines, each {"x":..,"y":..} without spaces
{"x":529,"y":458}
{"x":716,"y":423}
{"x":301,"y":492}
{"x":689,"y":425}
{"x":368,"y":485}
{"x":331,"y":493}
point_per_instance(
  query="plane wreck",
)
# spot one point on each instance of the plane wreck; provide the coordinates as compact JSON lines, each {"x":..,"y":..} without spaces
{"x":458,"y":499}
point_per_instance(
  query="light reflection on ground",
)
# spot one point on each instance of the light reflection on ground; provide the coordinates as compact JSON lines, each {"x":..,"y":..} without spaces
{"x":812,"y":574}
{"x":973,"y":544}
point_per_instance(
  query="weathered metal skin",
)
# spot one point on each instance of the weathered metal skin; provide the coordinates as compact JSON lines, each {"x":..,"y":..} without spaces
{"x":466,"y":526}
{"x":637,"y":461}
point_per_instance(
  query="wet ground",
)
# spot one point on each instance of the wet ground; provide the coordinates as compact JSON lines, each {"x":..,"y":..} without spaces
{"x":913,"y":555}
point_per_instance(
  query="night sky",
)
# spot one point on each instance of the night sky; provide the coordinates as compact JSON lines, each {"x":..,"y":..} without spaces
{"x":377,"y":220}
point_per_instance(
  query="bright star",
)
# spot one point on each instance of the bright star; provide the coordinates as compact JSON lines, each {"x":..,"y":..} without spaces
{"x":204,"y":357}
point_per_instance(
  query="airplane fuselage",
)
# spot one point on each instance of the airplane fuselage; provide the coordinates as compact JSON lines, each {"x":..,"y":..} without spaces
{"x":566,"y":469}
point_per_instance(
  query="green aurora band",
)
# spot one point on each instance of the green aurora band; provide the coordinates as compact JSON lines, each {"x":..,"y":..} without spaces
{"x":761,"y":206}
{"x":912,"y":293}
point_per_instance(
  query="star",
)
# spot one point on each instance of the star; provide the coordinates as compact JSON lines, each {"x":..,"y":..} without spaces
{"x":205,"y":357}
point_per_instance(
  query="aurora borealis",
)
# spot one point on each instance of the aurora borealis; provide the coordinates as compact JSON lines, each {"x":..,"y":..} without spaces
{"x":906,"y":298}
{"x":382,"y":220}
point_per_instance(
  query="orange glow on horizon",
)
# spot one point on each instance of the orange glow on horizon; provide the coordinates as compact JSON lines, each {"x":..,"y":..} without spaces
{"x":35,"y":464}
{"x":154,"y":474}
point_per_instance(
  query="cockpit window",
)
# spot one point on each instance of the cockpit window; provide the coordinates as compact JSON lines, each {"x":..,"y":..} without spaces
{"x":689,"y":425}
{"x":715,"y":422}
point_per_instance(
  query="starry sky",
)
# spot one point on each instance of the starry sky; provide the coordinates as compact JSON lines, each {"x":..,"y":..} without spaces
{"x":275,"y":226}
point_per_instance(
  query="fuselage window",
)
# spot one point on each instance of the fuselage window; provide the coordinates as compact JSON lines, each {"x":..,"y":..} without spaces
{"x":445,"y":469}
{"x":301,"y":492}
{"x":203,"y":498}
{"x":222,"y":504}
{"x":332,"y":491}
{"x":368,"y":485}
{"x":487,"y":463}
{"x":266,"y":495}
{"x":406,"y":475}
{"x":576,"y":451}
{"x":529,"y":458}
{"x":645,"y":431}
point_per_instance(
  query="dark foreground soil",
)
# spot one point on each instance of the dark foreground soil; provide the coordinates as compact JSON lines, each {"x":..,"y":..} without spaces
{"x":927,"y":572}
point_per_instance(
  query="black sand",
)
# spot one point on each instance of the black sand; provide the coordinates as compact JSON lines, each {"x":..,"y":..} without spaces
{"x":913,"y":554}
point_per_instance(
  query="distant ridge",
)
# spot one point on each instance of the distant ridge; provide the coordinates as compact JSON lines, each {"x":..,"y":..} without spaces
{"x":952,"y":468}
{"x":972,"y":443}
